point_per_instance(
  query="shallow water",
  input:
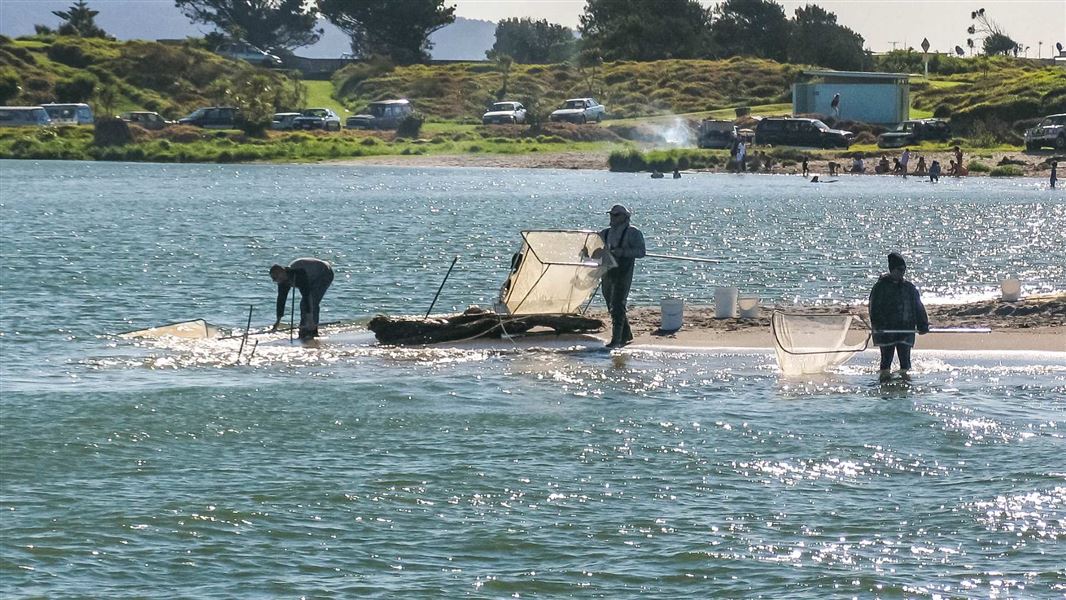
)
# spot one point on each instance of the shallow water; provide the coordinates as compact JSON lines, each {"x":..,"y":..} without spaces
{"x":136,"y":469}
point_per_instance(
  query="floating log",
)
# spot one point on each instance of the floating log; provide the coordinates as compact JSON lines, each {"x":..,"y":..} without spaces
{"x":406,"y":331}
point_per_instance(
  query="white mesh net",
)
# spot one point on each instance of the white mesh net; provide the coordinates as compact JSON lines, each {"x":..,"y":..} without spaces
{"x":196,"y":329}
{"x":555,"y":272}
{"x":807,"y":344}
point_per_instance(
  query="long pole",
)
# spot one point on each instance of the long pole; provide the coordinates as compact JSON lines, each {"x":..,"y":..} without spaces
{"x":437,"y":295}
{"x":292,"y":312}
{"x":940,"y":330}
{"x":247,"y":328}
{"x":688,"y":258}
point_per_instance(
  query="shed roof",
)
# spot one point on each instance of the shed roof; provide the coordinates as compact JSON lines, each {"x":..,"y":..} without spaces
{"x":857,"y":76}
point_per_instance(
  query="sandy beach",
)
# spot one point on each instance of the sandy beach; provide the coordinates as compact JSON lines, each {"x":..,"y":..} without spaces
{"x":1032,"y":165}
{"x":1035,"y":323}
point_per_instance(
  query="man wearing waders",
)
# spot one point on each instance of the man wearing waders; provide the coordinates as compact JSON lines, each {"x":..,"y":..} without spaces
{"x":626,"y":244}
{"x":895,"y":305}
{"x":312,"y":277}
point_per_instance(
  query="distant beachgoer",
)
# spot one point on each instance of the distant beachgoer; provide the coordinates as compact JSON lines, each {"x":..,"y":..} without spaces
{"x":934,"y":171}
{"x":312,"y":277}
{"x":626,"y":244}
{"x":903,"y":160}
{"x":896,"y":305}
{"x":677,"y":174}
{"x":1054,"y":173}
{"x":833,"y":166}
{"x":856,"y":164}
{"x":835,"y":105}
{"x":921,"y":168}
{"x":882,"y":165}
{"x":742,"y":159}
{"x":958,"y":155}
{"x":897,"y":166}
{"x":953,"y":168}
{"x":656,"y":174}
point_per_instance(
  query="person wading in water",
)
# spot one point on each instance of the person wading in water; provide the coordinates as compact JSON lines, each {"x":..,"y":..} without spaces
{"x":625,"y":244}
{"x":895,"y":305}
{"x":312,"y":277}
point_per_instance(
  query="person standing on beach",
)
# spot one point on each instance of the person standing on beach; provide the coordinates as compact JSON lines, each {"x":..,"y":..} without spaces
{"x":742,"y":162}
{"x":958,"y":156}
{"x":1054,"y":173}
{"x":625,"y":244}
{"x":903,"y":160}
{"x":934,"y":172}
{"x":312,"y":277}
{"x":835,"y":105}
{"x":896,"y":305}
{"x":806,"y":170}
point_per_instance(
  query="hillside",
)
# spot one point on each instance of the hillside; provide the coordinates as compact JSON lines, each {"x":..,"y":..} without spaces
{"x":116,"y":76}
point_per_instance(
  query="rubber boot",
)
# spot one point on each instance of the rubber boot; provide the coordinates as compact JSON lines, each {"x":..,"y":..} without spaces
{"x":617,"y":340}
{"x":904,"y":375}
{"x":884,"y":375}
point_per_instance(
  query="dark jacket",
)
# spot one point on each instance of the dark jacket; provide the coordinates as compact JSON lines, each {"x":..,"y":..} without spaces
{"x":308,"y":275}
{"x":629,"y":248}
{"x":896,"y":305}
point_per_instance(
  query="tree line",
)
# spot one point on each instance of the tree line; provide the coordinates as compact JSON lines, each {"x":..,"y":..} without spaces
{"x":609,"y":30}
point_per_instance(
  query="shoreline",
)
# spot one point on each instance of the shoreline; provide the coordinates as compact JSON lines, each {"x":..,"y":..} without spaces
{"x":1035,"y":323}
{"x":1031,"y":165}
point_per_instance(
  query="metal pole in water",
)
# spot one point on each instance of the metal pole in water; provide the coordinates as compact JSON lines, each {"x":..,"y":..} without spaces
{"x":432,"y":304}
{"x":247,"y":327}
{"x":292,"y":312}
{"x":688,"y":258}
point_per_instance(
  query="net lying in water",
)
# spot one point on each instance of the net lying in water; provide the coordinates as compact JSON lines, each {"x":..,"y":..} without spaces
{"x":556,"y":272}
{"x":807,"y":344}
{"x":197,"y":329}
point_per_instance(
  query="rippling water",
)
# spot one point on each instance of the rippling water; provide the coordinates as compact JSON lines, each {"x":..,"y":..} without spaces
{"x":154,"y":469}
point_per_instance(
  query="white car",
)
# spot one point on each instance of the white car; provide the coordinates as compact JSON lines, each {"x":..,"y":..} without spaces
{"x":69,"y":114}
{"x":580,"y":110}
{"x":1051,"y":131}
{"x":505,"y":113}
{"x":247,"y":52}
{"x":23,"y":116}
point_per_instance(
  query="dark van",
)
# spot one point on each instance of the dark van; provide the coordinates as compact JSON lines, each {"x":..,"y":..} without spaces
{"x":214,"y":117}
{"x":801,"y":132}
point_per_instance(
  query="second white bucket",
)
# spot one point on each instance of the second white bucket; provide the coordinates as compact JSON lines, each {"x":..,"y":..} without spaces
{"x":748,"y":307}
{"x":673,"y":314}
{"x":1011,"y":289}
{"x":725,"y":302}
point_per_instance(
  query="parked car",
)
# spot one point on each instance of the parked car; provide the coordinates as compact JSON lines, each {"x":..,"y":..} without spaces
{"x":384,"y":114}
{"x":213,"y":117}
{"x":1049,"y":132}
{"x":69,"y":114}
{"x":148,"y":120}
{"x":579,"y":110}
{"x":283,"y":121}
{"x":717,"y":134}
{"x":317,"y":118}
{"x":505,"y":112}
{"x":801,"y":132}
{"x":24,"y":116}
{"x":915,"y":132}
{"x":247,"y":52}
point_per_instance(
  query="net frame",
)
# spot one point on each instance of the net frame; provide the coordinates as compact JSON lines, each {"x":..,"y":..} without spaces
{"x":795,"y":359}
{"x":193,"y":329}
{"x":539,"y":261}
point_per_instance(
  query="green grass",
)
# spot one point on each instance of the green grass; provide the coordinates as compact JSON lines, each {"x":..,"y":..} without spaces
{"x":1006,"y":171}
{"x":320,"y":95}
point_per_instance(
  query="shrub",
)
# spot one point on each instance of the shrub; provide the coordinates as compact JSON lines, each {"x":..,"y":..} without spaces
{"x":78,"y":88}
{"x":9,"y":84}
{"x":411,"y":126}
{"x":978,"y":167}
{"x":1007,"y":171}
{"x":70,"y":53}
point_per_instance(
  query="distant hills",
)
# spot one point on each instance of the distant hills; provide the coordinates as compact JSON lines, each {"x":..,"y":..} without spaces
{"x":465,"y":39}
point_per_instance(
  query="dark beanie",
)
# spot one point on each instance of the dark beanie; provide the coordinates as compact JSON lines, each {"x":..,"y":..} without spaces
{"x":895,"y":261}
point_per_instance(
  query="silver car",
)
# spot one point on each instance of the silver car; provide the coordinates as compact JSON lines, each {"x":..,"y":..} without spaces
{"x":505,"y":113}
{"x":1049,"y":132}
{"x":23,"y":116}
{"x":580,"y":110}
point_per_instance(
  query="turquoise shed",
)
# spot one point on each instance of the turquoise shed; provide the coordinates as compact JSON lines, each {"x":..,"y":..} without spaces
{"x":882,"y":98}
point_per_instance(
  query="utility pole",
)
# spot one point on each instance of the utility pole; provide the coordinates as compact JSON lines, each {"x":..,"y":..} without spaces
{"x":893,"y":45}
{"x":1040,"y":49}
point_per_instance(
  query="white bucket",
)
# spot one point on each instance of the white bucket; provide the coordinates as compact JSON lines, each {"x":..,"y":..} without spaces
{"x":725,"y":302}
{"x":673,"y":314}
{"x":1011,"y":289}
{"x":748,"y":306}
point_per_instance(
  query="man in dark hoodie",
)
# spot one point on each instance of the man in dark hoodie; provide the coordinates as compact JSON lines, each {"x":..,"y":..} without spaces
{"x":626,"y":244}
{"x":895,"y":305}
{"x":312,"y":277}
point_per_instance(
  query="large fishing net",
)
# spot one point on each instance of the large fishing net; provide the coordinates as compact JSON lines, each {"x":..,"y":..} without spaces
{"x":556,"y":272}
{"x":807,"y":344}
